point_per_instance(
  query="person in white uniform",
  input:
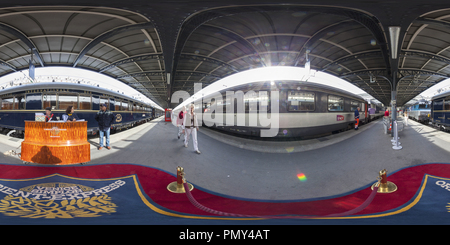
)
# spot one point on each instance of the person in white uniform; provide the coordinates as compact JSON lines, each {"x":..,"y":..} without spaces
{"x":191,"y":127}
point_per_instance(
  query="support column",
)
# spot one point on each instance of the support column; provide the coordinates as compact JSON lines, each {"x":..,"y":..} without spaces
{"x":394,"y":105}
{"x":31,"y":68}
{"x":169,"y":90}
{"x":394,"y":100}
{"x":394,"y":36}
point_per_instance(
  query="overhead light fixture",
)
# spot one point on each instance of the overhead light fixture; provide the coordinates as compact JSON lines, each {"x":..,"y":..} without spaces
{"x":372,"y":78}
{"x":168,"y":77}
{"x":394,"y":33}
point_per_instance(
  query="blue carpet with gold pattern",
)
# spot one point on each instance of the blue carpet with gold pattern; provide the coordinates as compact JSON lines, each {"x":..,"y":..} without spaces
{"x":125,"y":194}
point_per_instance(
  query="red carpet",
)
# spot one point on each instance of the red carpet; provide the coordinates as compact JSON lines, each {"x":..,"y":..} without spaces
{"x":153,"y":182}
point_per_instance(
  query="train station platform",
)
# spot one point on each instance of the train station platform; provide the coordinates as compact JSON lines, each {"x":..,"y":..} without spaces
{"x":236,"y":176}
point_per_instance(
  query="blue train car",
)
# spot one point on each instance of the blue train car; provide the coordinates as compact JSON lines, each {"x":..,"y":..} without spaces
{"x":22,"y":102}
{"x":440,"y":111}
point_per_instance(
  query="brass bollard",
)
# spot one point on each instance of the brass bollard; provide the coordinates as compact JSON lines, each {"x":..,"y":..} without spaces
{"x":385,"y":186}
{"x":177,"y":186}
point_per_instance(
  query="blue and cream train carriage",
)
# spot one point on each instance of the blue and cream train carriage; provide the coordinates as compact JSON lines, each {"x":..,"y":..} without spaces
{"x":20,"y":103}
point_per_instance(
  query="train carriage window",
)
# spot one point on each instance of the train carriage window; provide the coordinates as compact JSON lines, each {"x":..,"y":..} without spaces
{"x":66,"y":100}
{"x":354,"y":105}
{"x":49,"y":100}
{"x":104,"y":100}
{"x":95,"y":102}
{"x":253,"y":99}
{"x":7,"y":103}
{"x":117,"y":106}
{"x":206,"y":107}
{"x":264,"y":101}
{"x":227,"y":104}
{"x":33,"y":101}
{"x":124,"y":106}
{"x":335,"y":103}
{"x":437,"y":105}
{"x":447,"y":105}
{"x":112,"y":104}
{"x":197,"y":107}
{"x":19,"y":102}
{"x":301,"y":101}
{"x":85,"y":102}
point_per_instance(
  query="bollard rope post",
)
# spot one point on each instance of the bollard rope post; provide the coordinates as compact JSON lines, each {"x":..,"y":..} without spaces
{"x":384,"y":185}
{"x":177,"y":186}
{"x":396,"y":143}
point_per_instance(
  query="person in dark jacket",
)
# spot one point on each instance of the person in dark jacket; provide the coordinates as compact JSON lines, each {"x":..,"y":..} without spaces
{"x":49,"y":116}
{"x":357,"y":118}
{"x":70,"y":115}
{"x":105,"y":118}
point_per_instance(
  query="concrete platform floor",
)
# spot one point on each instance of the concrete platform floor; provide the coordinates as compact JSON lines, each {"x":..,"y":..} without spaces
{"x":268,"y":170}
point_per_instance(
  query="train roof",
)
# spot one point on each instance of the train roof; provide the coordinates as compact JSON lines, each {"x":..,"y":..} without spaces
{"x":62,"y":85}
{"x":441,"y":95}
{"x":257,"y":86}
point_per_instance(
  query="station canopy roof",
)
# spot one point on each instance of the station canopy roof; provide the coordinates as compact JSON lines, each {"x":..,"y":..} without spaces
{"x":140,"y":42}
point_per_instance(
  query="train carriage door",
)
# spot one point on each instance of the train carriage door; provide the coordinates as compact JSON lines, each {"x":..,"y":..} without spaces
{"x":432,"y":111}
{"x":365,"y":105}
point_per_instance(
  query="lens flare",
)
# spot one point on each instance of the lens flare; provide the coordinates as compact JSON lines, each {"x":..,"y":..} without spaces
{"x":301,"y":177}
{"x":290,"y":149}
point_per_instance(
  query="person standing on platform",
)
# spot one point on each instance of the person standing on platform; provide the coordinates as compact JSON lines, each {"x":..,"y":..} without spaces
{"x":191,"y":127}
{"x":386,"y":113}
{"x":105,"y":118}
{"x":49,"y":116}
{"x":70,"y":115}
{"x":405,"y":115}
{"x":180,"y":120}
{"x":357,"y":118}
